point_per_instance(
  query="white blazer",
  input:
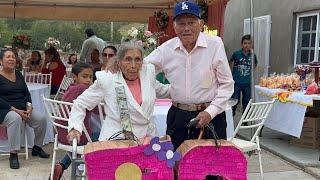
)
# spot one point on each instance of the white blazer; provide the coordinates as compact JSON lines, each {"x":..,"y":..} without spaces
{"x":103,"y":90}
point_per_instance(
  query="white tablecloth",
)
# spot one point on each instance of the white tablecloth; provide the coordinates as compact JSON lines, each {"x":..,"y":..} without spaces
{"x":160,"y":119}
{"x":36,"y":92}
{"x":284,"y":117}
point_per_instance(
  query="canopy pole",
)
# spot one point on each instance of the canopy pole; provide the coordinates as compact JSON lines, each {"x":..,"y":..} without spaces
{"x":252,"y":57}
{"x":111,"y":33}
{"x":252,"y":51}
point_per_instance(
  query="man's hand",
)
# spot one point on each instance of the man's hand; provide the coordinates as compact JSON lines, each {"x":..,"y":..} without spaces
{"x":73,"y":134}
{"x":204,"y":119}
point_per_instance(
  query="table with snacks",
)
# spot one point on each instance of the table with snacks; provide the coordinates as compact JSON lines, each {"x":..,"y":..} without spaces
{"x":294,"y":93}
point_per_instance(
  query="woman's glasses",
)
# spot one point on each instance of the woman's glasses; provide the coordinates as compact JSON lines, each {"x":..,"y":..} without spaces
{"x":107,"y":55}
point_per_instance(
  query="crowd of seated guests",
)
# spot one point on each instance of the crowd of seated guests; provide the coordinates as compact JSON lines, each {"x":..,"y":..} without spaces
{"x":16,"y":103}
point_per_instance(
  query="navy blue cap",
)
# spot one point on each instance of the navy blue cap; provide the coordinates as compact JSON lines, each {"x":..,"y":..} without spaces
{"x":186,"y":7}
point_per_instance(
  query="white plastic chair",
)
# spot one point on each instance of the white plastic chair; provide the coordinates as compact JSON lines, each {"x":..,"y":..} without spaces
{"x":66,"y":82}
{"x":256,"y":114}
{"x":38,"y":78}
{"x":26,"y":153}
{"x":60,"y":110}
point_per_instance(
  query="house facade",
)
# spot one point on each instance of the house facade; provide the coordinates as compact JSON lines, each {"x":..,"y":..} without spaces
{"x":294,"y":33}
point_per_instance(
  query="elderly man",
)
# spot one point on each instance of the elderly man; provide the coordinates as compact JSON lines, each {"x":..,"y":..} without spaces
{"x":197,"y":68}
{"x":93,"y":42}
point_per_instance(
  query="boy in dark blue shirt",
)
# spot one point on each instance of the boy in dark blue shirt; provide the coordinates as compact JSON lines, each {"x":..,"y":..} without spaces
{"x":241,"y":72}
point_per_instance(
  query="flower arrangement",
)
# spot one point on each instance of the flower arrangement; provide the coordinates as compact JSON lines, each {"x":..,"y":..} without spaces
{"x":52,"y":42}
{"x":162,"y":19}
{"x":21,"y":42}
{"x":144,"y":38}
{"x":66,"y":47}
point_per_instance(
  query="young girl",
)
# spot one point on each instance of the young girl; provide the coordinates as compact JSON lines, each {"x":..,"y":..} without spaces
{"x":82,"y":75}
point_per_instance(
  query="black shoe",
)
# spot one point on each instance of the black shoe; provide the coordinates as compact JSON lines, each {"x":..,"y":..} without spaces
{"x":14,"y":161}
{"x":38,"y":151}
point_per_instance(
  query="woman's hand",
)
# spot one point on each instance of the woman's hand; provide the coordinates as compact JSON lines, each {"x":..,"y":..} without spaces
{"x":112,"y":66}
{"x":23,"y":114}
{"x":145,"y":140}
{"x":73,"y":134}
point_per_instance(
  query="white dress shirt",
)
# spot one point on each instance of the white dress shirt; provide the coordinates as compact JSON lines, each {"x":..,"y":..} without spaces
{"x":203,"y":75}
{"x":103,"y":90}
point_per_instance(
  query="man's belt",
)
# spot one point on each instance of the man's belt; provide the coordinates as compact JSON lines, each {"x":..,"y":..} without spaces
{"x":191,"y":107}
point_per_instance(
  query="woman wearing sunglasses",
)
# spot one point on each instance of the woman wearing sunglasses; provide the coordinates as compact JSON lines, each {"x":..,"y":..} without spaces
{"x":108,"y":53}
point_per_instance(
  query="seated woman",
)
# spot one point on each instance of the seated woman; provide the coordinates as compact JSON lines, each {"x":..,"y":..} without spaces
{"x":72,"y":60}
{"x":34,"y":63}
{"x":16,"y":107}
{"x":54,"y":65}
{"x":95,"y":62}
{"x":108,"y":53}
{"x":129,"y":98}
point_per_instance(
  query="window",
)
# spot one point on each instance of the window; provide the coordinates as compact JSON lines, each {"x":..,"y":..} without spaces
{"x":307,"y":45}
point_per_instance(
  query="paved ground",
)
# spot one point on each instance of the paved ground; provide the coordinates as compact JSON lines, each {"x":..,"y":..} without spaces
{"x":38,"y":169}
{"x":279,"y":144}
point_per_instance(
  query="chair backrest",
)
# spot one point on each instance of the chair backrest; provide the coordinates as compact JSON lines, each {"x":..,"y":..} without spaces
{"x":102,"y":112}
{"x":66,"y":82}
{"x":59,"y":111}
{"x":69,"y":70}
{"x":38,"y":78}
{"x":255,"y":115}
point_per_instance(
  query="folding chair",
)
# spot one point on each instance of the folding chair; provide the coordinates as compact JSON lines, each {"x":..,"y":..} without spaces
{"x":66,"y":82}
{"x":38,"y":78}
{"x":59,"y":110}
{"x":256,"y":114}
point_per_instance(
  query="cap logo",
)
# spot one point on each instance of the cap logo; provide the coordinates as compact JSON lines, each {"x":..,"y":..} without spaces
{"x":184,"y":6}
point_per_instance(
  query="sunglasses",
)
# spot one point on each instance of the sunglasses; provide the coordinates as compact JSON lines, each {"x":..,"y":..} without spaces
{"x":107,"y":55}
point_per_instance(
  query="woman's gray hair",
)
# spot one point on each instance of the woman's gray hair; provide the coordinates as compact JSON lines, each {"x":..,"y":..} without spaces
{"x":124,"y":48}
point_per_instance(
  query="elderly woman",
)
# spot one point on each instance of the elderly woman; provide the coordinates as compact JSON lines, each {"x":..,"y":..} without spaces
{"x":16,"y":107}
{"x":129,"y":98}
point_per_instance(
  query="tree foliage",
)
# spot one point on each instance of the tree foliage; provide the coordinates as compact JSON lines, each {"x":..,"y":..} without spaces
{"x":66,"y":32}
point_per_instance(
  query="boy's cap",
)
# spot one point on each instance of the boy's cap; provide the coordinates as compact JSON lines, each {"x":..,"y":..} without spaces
{"x":186,"y":7}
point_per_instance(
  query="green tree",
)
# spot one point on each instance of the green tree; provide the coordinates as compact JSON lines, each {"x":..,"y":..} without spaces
{"x":65,"y":31}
